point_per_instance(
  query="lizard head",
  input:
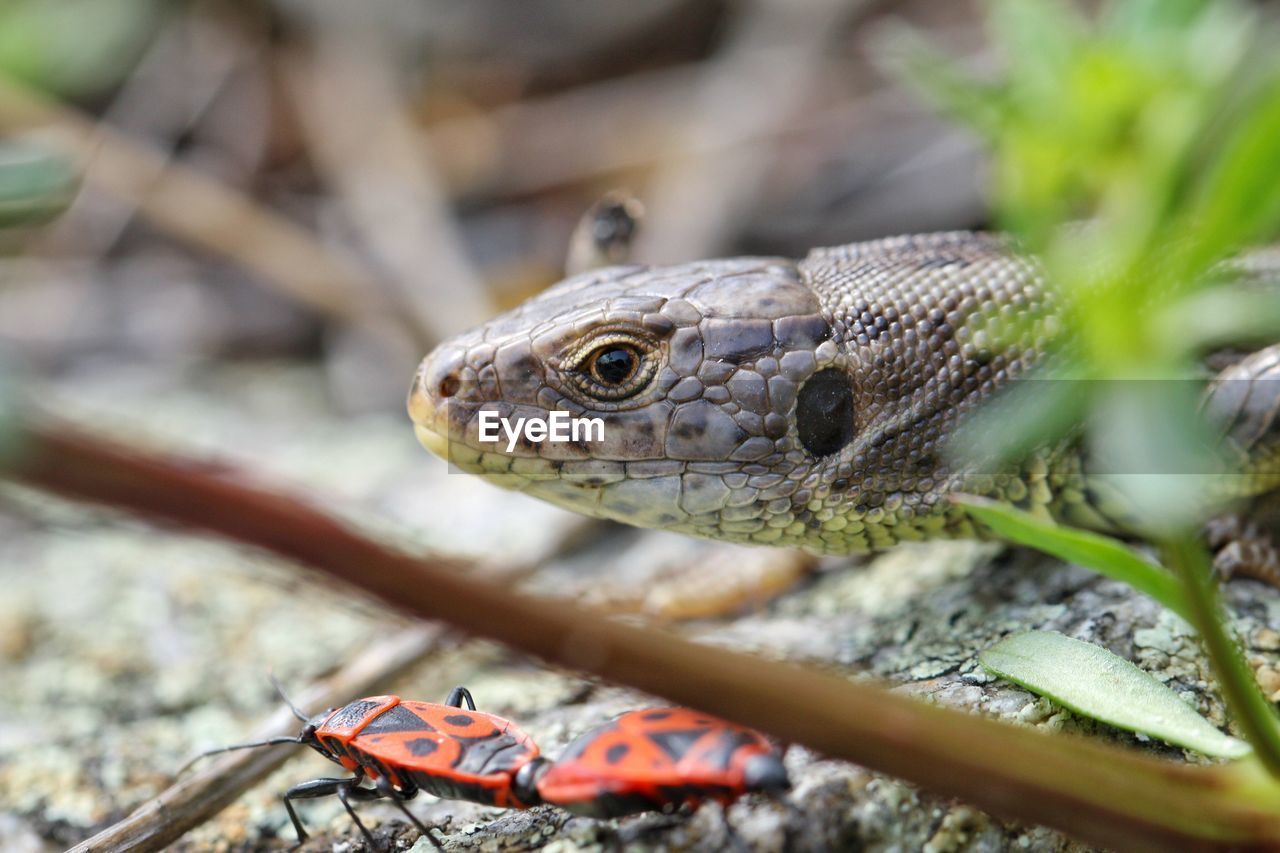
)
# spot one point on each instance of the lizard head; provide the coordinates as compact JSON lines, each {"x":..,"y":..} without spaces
{"x":661,"y":397}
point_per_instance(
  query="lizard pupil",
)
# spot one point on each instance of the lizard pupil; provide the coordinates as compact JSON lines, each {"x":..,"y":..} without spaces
{"x":824,"y":412}
{"x":615,"y":365}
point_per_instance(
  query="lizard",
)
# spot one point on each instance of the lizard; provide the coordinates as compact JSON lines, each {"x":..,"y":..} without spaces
{"x":801,"y":403}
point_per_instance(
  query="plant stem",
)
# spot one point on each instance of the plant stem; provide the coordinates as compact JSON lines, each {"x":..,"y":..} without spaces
{"x":1187,"y":558}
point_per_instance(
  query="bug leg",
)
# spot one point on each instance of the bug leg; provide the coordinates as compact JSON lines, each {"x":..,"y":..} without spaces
{"x":324,"y":788}
{"x":456,"y":697}
{"x":350,"y":790}
{"x":297,"y":824}
{"x":731,"y":835}
{"x":385,"y":789}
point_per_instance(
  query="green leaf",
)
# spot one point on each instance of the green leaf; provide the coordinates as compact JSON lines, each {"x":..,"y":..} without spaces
{"x":1149,"y":444}
{"x":1028,"y":414}
{"x":75,"y":47}
{"x":1094,"y":682}
{"x":1106,"y":556}
{"x":1040,"y":40}
{"x":36,"y":183}
{"x":1223,"y":317}
{"x":1241,"y":200}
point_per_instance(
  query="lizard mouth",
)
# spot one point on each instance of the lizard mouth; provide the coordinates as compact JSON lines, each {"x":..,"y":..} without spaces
{"x":431,"y":428}
{"x":443,"y":435}
{"x":432,"y":440}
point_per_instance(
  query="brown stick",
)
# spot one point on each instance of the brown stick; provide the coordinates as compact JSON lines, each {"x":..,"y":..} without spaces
{"x":199,"y":796}
{"x":200,"y":210}
{"x":1103,"y":795}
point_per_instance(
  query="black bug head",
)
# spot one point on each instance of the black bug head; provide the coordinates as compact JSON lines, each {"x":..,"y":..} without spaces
{"x":766,"y":773}
{"x":525,"y":784}
{"x":308,"y":733}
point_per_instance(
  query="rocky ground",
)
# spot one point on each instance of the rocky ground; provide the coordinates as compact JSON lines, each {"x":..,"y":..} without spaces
{"x":124,"y":649}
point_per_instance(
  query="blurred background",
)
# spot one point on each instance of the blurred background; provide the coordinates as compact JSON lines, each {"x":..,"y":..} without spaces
{"x":234,"y":230}
{"x":350,"y":182}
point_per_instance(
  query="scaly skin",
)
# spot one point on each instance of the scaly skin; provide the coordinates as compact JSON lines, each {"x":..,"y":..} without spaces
{"x":729,"y":435}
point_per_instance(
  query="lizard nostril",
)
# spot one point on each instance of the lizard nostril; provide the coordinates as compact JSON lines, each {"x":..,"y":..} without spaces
{"x":441,"y":373}
{"x":448,"y":386}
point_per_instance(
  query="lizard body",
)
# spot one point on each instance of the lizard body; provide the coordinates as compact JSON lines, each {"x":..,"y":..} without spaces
{"x":765,"y":400}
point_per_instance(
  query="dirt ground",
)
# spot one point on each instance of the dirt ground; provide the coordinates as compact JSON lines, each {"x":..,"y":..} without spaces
{"x":125,"y":649}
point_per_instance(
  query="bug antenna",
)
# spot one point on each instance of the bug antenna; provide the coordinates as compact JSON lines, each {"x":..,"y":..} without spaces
{"x":280,"y":689}
{"x":271,"y":741}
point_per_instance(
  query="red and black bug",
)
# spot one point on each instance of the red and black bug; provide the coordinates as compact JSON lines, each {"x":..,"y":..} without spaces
{"x":659,"y":759}
{"x":403,"y":747}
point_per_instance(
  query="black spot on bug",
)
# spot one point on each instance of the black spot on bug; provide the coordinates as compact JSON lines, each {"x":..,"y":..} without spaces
{"x":579,"y":745}
{"x":655,"y":715}
{"x":727,"y":743}
{"x":397,"y":719}
{"x":459,"y":719}
{"x":495,"y":754}
{"x":421,"y":746}
{"x":616,"y":753}
{"x":675,"y":744}
{"x":824,"y":412}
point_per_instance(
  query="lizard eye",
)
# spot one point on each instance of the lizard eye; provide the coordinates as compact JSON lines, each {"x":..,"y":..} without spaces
{"x":613,"y":367}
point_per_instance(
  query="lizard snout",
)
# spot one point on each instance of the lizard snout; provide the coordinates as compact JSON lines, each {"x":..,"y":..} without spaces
{"x":441,"y":377}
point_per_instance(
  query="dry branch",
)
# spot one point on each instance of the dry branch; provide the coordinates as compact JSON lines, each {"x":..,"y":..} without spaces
{"x":201,"y":210}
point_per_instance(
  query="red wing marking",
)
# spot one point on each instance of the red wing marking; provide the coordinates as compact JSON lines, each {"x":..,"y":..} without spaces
{"x":449,"y":742}
{"x":653,"y":754}
{"x":458,"y":722}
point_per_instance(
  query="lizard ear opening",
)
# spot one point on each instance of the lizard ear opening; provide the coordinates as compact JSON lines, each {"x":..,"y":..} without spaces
{"x":824,"y":412}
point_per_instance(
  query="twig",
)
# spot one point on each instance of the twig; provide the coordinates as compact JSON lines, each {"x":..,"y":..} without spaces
{"x":698,"y":201}
{"x":362,"y":141}
{"x":199,"y":796}
{"x":200,"y":210}
{"x":207,"y":54}
{"x":1103,"y":795}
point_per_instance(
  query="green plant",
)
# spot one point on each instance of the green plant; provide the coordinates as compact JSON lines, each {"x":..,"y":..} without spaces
{"x":1135,"y":153}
